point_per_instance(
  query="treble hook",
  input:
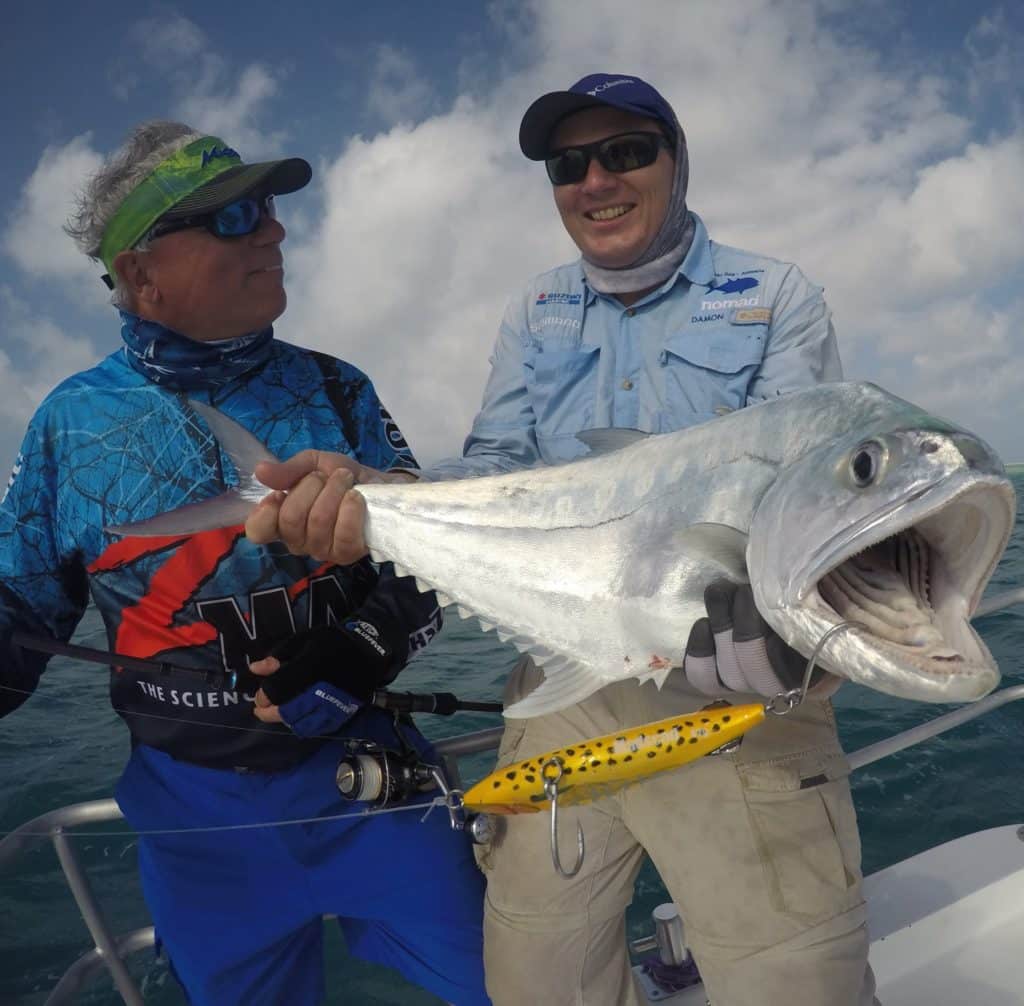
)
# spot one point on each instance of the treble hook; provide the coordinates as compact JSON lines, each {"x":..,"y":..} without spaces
{"x":551,"y":792}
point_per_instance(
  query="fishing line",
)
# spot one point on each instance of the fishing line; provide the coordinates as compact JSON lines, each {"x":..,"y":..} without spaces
{"x":438,"y":801}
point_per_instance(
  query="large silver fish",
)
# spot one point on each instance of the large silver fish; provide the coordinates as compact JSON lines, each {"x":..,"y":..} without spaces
{"x":839,"y":502}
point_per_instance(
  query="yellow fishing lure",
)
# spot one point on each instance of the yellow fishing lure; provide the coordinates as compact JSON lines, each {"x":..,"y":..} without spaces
{"x":599,"y":766}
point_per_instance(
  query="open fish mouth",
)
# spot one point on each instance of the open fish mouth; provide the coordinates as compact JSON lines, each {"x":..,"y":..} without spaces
{"x":911,"y":595}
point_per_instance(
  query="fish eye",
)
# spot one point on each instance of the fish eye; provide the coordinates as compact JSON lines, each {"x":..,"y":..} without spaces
{"x":866,"y":463}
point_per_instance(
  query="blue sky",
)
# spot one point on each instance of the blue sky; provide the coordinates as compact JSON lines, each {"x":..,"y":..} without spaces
{"x":878,"y":145}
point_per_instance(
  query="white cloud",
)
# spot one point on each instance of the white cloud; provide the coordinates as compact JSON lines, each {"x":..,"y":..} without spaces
{"x":398,"y":92}
{"x":203,"y":90}
{"x":36,"y":356}
{"x":34,"y":238}
{"x":802,"y":146}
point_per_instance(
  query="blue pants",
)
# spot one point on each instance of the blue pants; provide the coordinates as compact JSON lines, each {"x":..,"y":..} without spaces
{"x":239,"y":911}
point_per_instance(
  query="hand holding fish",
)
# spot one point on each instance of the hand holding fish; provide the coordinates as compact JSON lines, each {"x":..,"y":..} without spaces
{"x":734,"y":649}
{"x":318,"y":516}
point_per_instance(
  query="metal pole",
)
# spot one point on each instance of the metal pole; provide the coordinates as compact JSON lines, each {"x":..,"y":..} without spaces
{"x":92,"y":914}
{"x":873,"y":752}
{"x":998,"y":601}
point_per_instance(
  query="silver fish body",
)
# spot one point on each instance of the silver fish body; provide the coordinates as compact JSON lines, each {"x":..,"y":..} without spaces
{"x":839,"y":503}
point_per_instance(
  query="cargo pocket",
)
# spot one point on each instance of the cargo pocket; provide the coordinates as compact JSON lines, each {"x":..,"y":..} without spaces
{"x":707,"y":373}
{"x":561,"y":384}
{"x":805,"y":828}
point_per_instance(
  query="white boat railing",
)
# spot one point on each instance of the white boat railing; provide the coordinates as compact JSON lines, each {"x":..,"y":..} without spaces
{"x":110,"y":950}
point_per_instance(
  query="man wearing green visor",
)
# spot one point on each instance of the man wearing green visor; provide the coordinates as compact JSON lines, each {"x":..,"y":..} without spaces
{"x":245,"y":842}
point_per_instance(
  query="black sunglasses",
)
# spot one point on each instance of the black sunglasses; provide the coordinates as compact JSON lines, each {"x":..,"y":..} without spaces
{"x":620,"y":153}
{"x":235,"y":220}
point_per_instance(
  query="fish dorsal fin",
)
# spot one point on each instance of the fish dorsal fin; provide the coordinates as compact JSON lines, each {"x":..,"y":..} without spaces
{"x":244,"y":450}
{"x":718,"y":544}
{"x":607,"y":440}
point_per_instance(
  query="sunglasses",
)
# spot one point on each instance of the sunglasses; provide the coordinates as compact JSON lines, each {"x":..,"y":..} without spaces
{"x":235,"y":220}
{"x":618,"y":154}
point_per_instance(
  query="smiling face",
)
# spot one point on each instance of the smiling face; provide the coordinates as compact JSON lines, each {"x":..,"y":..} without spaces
{"x":612,"y":218}
{"x":212,"y":288}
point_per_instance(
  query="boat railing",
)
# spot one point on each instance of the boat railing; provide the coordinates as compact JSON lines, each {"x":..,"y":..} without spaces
{"x":110,"y":950}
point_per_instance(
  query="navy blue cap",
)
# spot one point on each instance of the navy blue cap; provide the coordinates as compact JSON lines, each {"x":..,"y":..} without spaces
{"x":617,"y":90}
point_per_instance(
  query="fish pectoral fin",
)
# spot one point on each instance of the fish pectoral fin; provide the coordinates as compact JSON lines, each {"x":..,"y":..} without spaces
{"x":225,"y":510}
{"x":234,"y":439}
{"x":604,"y":441}
{"x":565,"y":682}
{"x":718,"y":544}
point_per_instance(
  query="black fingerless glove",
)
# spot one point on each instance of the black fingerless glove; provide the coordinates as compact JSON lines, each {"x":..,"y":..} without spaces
{"x":356,"y":657}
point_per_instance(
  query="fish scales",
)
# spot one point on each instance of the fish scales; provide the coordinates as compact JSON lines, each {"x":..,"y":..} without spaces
{"x":597,"y":567}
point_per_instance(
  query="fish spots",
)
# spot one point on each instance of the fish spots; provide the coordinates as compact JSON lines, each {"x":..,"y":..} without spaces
{"x":510,"y":776}
{"x":652,"y":754}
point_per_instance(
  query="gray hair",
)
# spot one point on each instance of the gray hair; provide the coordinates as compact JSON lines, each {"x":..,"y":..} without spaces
{"x":95,"y":205}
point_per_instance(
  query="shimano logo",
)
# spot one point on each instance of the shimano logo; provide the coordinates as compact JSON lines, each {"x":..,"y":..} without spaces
{"x":718,"y":305}
{"x":536,"y":326}
{"x":609,"y":83}
{"x":214,"y":152}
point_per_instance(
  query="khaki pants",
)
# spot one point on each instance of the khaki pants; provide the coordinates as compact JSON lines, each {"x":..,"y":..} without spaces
{"x":759,"y":849}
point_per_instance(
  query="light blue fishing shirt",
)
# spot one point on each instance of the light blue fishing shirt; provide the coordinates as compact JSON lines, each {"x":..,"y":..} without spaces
{"x":728,"y":329}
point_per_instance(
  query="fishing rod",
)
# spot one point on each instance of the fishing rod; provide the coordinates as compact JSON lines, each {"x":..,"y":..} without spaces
{"x":439,"y":703}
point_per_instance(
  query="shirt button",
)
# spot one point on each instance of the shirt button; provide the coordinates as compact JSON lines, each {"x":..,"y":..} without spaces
{"x":631,"y":312}
{"x":627,"y":385}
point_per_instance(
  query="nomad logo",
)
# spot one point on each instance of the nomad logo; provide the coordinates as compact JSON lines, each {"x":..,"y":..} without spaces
{"x":558,"y":298}
{"x":214,"y":152}
{"x":719,"y":305}
{"x":735,"y":285}
{"x":610,"y":83}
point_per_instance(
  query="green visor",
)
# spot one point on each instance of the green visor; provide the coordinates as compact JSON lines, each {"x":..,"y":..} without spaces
{"x":199,"y":178}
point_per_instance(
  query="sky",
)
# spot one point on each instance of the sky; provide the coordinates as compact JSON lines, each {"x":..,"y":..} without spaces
{"x":879,"y":145}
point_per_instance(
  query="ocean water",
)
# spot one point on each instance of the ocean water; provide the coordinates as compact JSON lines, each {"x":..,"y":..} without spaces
{"x":66,"y":745}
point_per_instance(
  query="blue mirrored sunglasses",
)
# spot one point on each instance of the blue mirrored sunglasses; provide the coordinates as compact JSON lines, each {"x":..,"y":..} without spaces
{"x":235,"y":220}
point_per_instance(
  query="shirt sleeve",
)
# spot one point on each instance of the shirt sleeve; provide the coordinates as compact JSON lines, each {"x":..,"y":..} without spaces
{"x":43,"y":592}
{"x":503,"y":436}
{"x":801,"y":347}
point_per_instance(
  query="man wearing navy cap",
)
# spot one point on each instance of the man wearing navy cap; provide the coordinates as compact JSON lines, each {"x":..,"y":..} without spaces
{"x":656,"y":327}
{"x":245,"y":842}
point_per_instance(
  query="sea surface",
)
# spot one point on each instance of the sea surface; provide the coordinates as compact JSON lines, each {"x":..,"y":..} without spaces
{"x":66,"y":745}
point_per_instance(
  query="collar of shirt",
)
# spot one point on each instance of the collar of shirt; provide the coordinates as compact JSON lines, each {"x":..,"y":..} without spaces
{"x":697,"y":268}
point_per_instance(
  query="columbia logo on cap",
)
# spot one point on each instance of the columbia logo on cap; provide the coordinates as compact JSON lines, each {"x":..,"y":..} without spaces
{"x":611,"y":83}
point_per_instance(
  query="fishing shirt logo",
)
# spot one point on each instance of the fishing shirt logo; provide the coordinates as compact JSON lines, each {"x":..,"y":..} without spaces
{"x":740,"y":284}
{"x":571,"y":299}
{"x":15,"y":471}
{"x":396,"y":441}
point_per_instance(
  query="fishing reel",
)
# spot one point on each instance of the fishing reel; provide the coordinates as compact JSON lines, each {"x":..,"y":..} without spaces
{"x":385,"y":778}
